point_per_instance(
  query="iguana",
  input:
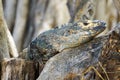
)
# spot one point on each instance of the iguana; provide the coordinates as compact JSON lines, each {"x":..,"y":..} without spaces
{"x":65,"y":36}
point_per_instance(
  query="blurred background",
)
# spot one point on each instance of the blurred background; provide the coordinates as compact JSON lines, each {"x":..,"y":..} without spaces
{"x":26,"y":19}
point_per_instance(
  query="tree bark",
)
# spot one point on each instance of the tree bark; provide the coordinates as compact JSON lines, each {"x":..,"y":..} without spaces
{"x":4,"y":52}
{"x":11,"y":44}
{"x":18,"y":69}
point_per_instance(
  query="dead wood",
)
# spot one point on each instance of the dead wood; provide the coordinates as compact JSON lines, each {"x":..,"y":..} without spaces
{"x":4,"y":52}
{"x":18,"y":69}
{"x":11,"y":44}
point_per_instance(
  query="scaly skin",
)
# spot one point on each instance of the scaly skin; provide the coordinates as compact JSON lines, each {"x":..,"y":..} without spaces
{"x":66,"y":36}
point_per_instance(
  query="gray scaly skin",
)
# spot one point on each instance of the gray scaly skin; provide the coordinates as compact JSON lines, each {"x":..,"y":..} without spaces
{"x":62,"y":37}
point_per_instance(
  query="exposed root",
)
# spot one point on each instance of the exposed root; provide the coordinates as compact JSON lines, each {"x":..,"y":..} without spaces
{"x":104,"y":71}
{"x":96,"y":71}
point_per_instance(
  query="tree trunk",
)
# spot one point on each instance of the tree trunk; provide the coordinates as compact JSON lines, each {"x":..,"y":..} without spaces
{"x":18,"y":69}
{"x":10,"y":45}
{"x":4,"y":52}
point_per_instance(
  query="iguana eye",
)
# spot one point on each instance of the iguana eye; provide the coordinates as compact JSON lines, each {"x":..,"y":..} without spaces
{"x":85,"y":24}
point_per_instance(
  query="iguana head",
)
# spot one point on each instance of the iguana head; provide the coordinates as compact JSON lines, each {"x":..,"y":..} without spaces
{"x":94,"y":26}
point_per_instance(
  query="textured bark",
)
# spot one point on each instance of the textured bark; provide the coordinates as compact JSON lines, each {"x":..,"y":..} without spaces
{"x":18,"y":69}
{"x":20,"y":24}
{"x":9,"y":16}
{"x":7,"y":43}
{"x":11,"y":44}
{"x":4,"y":52}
